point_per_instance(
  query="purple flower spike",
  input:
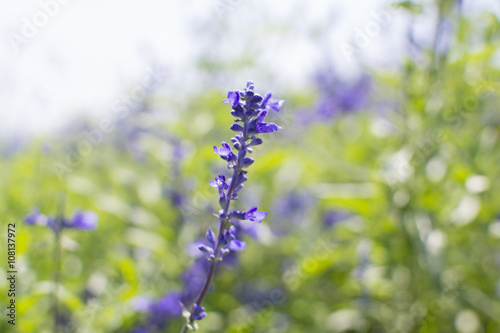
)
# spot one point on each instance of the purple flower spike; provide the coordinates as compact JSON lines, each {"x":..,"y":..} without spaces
{"x":198,"y":312}
{"x":250,"y":109}
{"x":82,"y":220}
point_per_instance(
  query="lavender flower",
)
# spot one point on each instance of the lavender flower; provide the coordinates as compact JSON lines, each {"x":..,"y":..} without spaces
{"x":37,"y":218}
{"x":198,"y":312}
{"x":332,"y":217}
{"x":250,"y":110}
{"x":160,"y":312}
{"x":82,"y":220}
{"x":338,"y":97}
{"x":293,"y":210}
{"x":86,"y":220}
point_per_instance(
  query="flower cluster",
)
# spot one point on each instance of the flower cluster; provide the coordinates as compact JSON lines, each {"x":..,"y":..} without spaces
{"x":250,"y":110}
{"x":83,"y":220}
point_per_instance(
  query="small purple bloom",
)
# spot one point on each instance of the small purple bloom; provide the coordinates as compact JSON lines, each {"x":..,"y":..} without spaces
{"x":271,"y":104}
{"x":233,"y":97}
{"x":205,"y":249}
{"x":225,"y":152}
{"x":198,"y":312}
{"x":220,"y":183}
{"x":35,"y":217}
{"x":81,"y":220}
{"x":275,"y":105}
{"x":234,"y":243}
{"x":267,"y":127}
{"x":236,"y":128}
{"x":253,"y":215}
{"x":255,"y":142}
{"x":266,"y":99}
{"x":263,"y":127}
{"x":86,"y":220}
{"x":210,"y":235}
{"x":246,"y":162}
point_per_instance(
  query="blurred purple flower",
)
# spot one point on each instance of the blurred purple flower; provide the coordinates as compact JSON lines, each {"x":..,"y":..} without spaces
{"x":168,"y":306}
{"x":331,"y":217}
{"x":141,"y":304}
{"x":141,"y":330}
{"x":247,"y":228}
{"x":160,"y":312}
{"x":86,"y":220}
{"x":292,"y":210}
{"x":193,"y":279}
{"x":340,"y":97}
{"x":37,"y":218}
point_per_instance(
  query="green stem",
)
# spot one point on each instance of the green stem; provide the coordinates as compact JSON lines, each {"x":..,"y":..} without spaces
{"x":222,"y":220}
{"x":57,"y":260}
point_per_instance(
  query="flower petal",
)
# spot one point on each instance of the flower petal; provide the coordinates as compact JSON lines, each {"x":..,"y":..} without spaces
{"x":210,"y":236}
{"x":83,"y":220}
{"x":237,"y":245}
{"x":233,"y":97}
{"x":267,"y":127}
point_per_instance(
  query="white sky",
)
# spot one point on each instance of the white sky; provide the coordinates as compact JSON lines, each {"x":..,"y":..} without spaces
{"x":91,"y":52}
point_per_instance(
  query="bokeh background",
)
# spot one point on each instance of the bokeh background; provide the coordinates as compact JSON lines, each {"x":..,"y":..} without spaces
{"x":382,"y":189}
